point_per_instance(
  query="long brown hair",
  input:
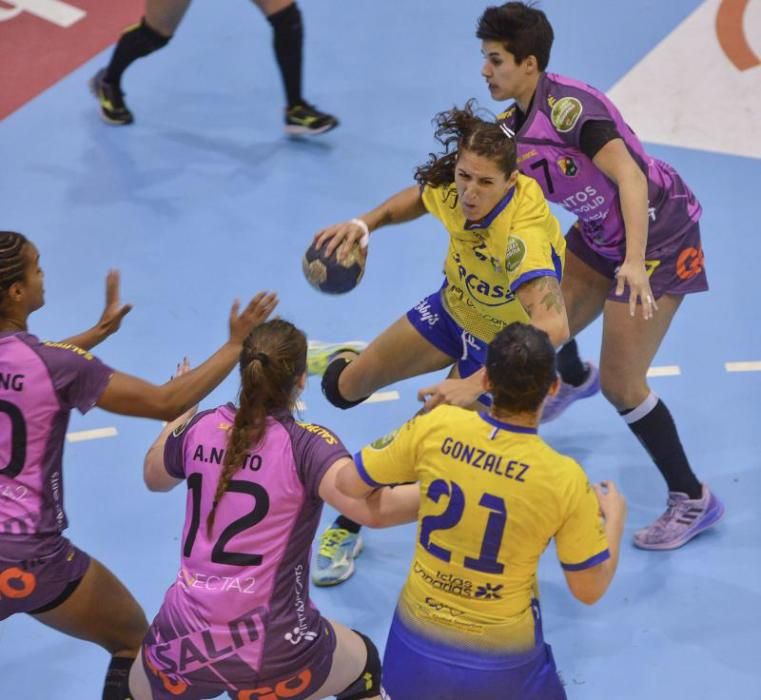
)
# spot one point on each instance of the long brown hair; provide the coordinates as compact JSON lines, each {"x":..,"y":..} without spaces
{"x":462,"y":129}
{"x":273,"y":359}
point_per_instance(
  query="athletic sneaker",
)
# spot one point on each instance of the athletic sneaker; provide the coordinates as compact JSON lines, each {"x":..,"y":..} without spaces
{"x":335,"y":558}
{"x":567,"y":394}
{"x":305,"y":119}
{"x":113,"y":110}
{"x":320,"y":355}
{"x":683,"y":519}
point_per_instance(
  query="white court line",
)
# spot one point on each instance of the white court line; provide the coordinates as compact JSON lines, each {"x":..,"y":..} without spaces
{"x":95,"y":434}
{"x":380,"y":396}
{"x":743,"y":366}
{"x":664,"y":371}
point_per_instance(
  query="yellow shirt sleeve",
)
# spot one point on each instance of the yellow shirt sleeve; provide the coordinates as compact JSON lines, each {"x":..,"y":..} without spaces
{"x":535,"y":247}
{"x":391,"y":459}
{"x":581,"y":540}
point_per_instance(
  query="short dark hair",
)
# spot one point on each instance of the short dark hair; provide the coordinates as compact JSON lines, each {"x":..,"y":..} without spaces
{"x":521,"y":28}
{"x":520,"y":366}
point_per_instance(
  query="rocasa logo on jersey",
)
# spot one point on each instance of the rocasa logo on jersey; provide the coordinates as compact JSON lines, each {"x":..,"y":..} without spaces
{"x":482,"y":291}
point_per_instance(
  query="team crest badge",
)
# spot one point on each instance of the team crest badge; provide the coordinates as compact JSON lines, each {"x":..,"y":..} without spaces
{"x":565,"y":113}
{"x":384,"y":441}
{"x":516,"y":251}
{"x":568,"y":166}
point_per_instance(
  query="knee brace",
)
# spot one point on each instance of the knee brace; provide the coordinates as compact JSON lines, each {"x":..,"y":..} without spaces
{"x":330,"y":384}
{"x":369,"y":682}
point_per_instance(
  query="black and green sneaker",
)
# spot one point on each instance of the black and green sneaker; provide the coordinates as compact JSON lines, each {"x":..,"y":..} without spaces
{"x":111,"y":100}
{"x":305,"y":119}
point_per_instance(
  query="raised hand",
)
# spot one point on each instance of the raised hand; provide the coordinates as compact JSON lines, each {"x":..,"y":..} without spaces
{"x":114,"y":311}
{"x":256,"y":312}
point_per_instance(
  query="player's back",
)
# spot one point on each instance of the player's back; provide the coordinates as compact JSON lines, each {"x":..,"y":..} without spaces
{"x":39,"y":384}
{"x":492,"y":497}
{"x":242,"y":590}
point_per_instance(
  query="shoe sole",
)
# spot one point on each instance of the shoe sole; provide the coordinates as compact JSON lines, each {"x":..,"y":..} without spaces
{"x":676,"y":544}
{"x":349,"y":572}
{"x":294,"y":130}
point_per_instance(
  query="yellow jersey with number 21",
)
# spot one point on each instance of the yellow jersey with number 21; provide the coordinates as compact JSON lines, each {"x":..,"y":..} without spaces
{"x":492,"y":496}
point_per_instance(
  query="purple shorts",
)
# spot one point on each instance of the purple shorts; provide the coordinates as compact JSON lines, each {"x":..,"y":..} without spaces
{"x":675,"y":267}
{"x":37,"y":574}
{"x":233,"y":676}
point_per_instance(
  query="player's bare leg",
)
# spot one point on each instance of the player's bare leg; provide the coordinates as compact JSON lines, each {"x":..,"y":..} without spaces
{"x":584,"y":292}
{"x":628,"y":348}
{"x":103,"y":611}
{"x":399,"y":352}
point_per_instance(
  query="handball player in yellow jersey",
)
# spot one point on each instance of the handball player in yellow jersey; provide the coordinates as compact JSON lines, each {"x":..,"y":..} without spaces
{"x":503,"y":265}
{"x":492,"y":496}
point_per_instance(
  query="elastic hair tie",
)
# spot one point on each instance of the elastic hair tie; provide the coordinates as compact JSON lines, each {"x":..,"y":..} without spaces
{"x":264,"y":359}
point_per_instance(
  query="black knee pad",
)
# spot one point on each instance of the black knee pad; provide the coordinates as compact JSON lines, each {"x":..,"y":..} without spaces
{"x":369,"y":682}
{"x":330,"y":384}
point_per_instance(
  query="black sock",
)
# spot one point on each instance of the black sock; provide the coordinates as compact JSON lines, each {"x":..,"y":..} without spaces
{"x":344,"y":523}
{"x":288,"y":40}
{"x":136,"y":42}
{"x":572,"y":370}
{"x":117,"y":678}
{"x":654,"y":427}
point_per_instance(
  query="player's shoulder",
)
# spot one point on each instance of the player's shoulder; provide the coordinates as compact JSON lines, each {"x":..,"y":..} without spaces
{"x":315,"y":432}
{"x":566,"y":100}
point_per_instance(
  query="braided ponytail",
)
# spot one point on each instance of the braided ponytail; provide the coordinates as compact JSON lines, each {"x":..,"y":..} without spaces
{"x":12,"y":260}
{"x":271,"y":362}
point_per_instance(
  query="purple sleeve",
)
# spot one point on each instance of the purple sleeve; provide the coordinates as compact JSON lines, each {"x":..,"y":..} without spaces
{"x":315,"y":450}
{"x":573,"y":108}
{"x":79,"y":377}
{"x":174,"y":447}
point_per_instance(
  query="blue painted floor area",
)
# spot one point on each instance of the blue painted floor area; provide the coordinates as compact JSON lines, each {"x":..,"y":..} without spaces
{"x":203,"y":200}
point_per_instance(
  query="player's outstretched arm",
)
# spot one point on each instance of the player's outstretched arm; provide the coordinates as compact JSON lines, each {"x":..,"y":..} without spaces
{"x":131,"y":396}
{"x":543,"y":301}
{"x":343,"y":488}
{"x":110,"y":320}
{"x":403,"y":206}
{"x":589,"y":585}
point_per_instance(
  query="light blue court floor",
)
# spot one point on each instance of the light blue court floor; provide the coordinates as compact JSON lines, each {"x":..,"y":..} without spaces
{"x":203,"y":200}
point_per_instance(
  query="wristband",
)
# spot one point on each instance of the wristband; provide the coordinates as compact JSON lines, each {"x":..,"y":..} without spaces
{"x":365,"y":240}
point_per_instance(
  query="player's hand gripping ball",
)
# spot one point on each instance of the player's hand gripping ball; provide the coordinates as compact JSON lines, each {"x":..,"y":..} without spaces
{"x":327,"y":274}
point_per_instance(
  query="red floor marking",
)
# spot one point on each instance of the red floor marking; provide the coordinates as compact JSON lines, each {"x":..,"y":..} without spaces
{"x":36,"y":51}
{"x":731,"y":34}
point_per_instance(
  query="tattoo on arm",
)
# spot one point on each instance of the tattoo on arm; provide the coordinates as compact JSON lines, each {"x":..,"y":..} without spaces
{"x":544,"y":291}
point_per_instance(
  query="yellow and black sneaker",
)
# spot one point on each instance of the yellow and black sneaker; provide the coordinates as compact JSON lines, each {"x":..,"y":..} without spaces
{"x":111,"y":100}
{"x":304,"y":119}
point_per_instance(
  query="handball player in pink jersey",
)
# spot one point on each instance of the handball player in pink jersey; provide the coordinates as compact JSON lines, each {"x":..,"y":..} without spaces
{"x":632,"y":256}
{"x":41,"y":572}
{"x":238,"y":619}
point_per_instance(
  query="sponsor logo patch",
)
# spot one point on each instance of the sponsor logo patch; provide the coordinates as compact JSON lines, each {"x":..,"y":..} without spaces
{"x":565,"y":113}
{"x":516,"y":251}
